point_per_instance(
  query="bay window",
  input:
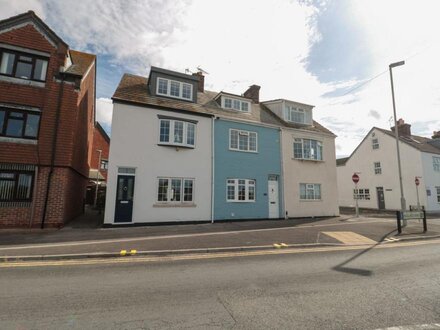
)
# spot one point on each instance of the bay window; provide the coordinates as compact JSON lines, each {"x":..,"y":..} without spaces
{"x":177,"y":132}
{"x":307,"y":149}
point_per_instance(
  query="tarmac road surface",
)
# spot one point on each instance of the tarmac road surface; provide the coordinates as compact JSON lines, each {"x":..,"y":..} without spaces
{"x":347,"y":289}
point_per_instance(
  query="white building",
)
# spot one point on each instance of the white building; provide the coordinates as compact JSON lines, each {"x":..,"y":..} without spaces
{"x":308,"y":159}
{"x":375,"y":159}
{"x":160,"y":159}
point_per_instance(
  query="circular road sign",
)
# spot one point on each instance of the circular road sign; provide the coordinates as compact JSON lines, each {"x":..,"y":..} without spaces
{"x":417,"y":181}
{"x":355,"y":178}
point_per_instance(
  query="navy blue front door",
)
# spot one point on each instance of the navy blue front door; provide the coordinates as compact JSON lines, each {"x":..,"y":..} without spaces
{"x":124,"y":198}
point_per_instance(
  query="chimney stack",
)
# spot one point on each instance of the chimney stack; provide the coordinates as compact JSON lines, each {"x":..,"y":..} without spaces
{"x":253,"y":93}
{"x":403,"y":128}
{"x":201,"y":84}
{"x":436,"y":135}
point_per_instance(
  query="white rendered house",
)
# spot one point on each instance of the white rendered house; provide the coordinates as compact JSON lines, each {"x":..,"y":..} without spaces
{"x":160,"y":158}
{"x":375,"y":159}
{"x":308,"y":161}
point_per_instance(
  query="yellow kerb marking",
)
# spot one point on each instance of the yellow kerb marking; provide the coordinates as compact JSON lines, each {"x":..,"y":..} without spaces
{"x":123,"y":252}
{"x":349,"y":237}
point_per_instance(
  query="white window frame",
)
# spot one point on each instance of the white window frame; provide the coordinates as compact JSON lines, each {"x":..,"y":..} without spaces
{"x":361,"y":194}
{"x":170,"y":141}
{"x":436,"y":163}
{"x":241,"y":133}
{"x":168,"y":93}
{"x":235,"y":101}
{"x":309,"y":187}
{"x":318,"y":145}
{"x":377,"y":168}
{"x":438,"y":194}
{"x":235,"y":183}
{"x":290,"y":111}
{"x":170,"y":192}
{"x":375,"y":143}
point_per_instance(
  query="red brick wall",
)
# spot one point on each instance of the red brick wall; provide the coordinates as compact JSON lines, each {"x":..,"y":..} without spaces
{"x":74,"y":139}
{"x":99,"y":143}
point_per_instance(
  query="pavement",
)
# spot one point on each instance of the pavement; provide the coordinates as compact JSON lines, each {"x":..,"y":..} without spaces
{"x":76,"y":240}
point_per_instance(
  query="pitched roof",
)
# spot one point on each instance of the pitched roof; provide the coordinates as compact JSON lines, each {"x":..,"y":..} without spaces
{"x":341,"y":161}
{"x":81,"y":62}
{"x":134,"y":89}
{"x":31,"y":16}
{"x":419,"y":142}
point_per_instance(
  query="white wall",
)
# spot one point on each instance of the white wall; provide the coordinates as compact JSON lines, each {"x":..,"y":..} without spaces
{"x":430,"y":180}
{"x":135,"y":136}
{"x":306,"y":171}
{"x":363,"y":161}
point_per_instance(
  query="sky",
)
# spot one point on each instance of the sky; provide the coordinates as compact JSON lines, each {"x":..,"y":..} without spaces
{"x":330,"y":54}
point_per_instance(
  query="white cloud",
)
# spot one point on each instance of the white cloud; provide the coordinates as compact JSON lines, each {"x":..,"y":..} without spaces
{"x":104,"y":111}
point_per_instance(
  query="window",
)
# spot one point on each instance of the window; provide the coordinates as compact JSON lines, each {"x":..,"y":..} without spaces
{"x":19,"y":124}
{"x":235,"y":104}
{"x":438,"y":194}
{"x":240,"y":190}
{"x":242,"y":140}
{"x":310,"y":191}
{"x":175,"y":132}
{"x":295,"y":115}
{"x":307,"y":149}
{"x":21,"y":65}
{"x":16,"y":186}
{"x":436,"y":163}
{"x":375,"y":143}
{"x":173,"y":88}
{"x":175,"y":190}
{"x":377,"y":168}
{"x":104,"y":164}
{"x":361,"y":194}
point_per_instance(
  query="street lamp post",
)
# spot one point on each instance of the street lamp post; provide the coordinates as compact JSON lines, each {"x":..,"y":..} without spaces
{"x":97,"y":176}
{"x":396,"y":133}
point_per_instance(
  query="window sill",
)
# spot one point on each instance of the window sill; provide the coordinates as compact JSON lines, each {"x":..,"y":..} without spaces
{"x":247,"y":151}
{"x":310,"y":200}
{"x":240,"y":201}
{"x":17,"y":140}
{"x":21,"y":81}
{"x":6,"y":204}
{"x":308,"y":160}
{"x":177,"y":146}
{"x":174,"y":205}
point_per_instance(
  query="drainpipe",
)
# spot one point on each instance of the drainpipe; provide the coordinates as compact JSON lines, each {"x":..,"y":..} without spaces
{"x":212,"y":166}
{"x":283,"y":200}
{"x":54,"y":142}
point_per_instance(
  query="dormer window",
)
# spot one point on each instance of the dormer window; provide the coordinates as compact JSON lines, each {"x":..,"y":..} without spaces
{"x":174,"y":88}
{"x":235,"y":104}
{"x":23,"y":65}
{"x":297,"y":115}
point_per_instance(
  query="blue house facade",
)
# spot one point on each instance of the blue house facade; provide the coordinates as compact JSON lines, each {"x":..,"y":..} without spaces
{"x":247,"y":176}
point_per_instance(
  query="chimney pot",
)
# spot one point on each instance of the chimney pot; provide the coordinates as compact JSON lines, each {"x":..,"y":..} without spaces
{"x":201,"y":83}
{"x":253,"y":93}
{"x":404,"y":129}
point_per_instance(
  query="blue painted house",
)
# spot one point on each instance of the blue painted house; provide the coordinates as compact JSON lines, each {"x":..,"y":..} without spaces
{"x":247,"y":171}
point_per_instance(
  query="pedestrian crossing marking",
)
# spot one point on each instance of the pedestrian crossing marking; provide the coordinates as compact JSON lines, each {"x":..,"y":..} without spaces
{"x":349,"y":237}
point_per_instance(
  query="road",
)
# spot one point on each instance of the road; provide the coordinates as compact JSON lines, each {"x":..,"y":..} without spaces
{"x":348,"y":289}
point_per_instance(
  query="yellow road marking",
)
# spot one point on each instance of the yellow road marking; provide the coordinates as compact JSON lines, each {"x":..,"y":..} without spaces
{"x":349,"y":237}
{"x":208,"y":255}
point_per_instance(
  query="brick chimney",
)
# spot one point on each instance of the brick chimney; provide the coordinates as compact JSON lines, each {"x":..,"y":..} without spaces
{"x":201,"y":85}
{"x":404,"y":129}
{"x":253,"y":93}
{"x":436,"y":135}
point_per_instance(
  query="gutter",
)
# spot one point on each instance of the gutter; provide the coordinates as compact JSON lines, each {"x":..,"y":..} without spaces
{"x":53,"y":153}
{"x":212,"y":166}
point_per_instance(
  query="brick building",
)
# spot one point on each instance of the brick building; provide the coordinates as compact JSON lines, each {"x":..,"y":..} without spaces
{"x":47,"y":116}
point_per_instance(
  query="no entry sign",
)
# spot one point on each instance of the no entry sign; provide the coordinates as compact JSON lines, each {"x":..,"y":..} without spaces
{"x":355,"y":178}
{"x":417,"y":181}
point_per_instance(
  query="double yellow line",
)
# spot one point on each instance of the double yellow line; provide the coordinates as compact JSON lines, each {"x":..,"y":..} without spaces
{"x":212,"y":255}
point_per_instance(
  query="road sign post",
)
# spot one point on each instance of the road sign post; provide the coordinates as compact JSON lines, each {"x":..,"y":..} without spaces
{"x":355,"y":178}
{"x":417,"y":182}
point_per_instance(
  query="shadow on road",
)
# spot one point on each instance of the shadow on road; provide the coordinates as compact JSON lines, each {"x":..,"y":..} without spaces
{"x":357,"y":271}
